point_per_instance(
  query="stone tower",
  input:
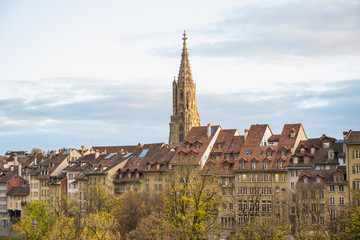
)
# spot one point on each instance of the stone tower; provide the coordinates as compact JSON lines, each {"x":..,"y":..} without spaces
{"x":185,"y":113}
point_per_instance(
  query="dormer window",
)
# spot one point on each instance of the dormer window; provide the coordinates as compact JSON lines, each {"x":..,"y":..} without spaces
{"x":306,"y":179}
{"x":148,"y":166}
{"x":326,"y":145}
{"x":292,"y":133}
{"x":253,"y":165}
{"x":235,"y":155}
{"x":197,"y":145}
{"x":283,"y":152}
{"x":120,"y":176}
{"x":226,"y":167}
{"x":318,"y":179}
{"x":302,"y":150}
{"x":227,"y":156}
{"x":219,"y":145}
{"x":312,"y":150}
{"x":129,"y":175}
{"x":269,"y":153}
{"x":295,"y":160}
{"x":306,"y":160}
{"x":242,"y":165}
{"x":137,"y":175}
{"x":191,"y":156}
{"x":187,"y":146}
{"x":280,"y":164}
{"x":266,"y":165}
{"x":158,"y":166}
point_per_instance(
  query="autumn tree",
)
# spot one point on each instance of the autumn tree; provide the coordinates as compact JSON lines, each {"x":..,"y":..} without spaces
{"x":64,"y":228}
{"x":191,"y":201}
{"x":128,"y":211}
{"x":37,"y":221}
{"x":101,"y":225}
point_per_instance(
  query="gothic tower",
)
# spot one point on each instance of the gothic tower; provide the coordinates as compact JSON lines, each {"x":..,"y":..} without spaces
{"x":185,"y":113}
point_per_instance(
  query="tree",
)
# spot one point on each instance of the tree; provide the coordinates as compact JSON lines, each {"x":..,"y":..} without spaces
{"x":37,"y":221}
{"x":64,"y":228}
{"x":154,"y":226}
{"x":128,"y":211}
{"x":36,"y":150}
{"x":191,"y":201}
{"x":99,"y":199}
{"x":98,"y":226}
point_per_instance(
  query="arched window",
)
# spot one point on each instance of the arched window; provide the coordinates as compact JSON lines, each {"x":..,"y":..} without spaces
{"x":181,"y":137}
{"x":181,"y":127}
{"x":181,"y":95}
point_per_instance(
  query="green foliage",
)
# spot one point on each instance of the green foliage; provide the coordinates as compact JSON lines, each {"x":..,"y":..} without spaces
{"x":37,"y":221}
{"x":191,"y":202}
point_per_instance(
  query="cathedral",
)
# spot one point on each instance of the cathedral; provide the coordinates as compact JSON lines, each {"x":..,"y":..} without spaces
{"x":185,"y":113}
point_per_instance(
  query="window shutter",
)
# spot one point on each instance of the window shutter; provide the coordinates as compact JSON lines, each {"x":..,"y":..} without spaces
{"x":353,"y":168}
{"x":354,"y":185}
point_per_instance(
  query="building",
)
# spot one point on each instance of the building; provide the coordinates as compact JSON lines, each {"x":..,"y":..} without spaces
{"x":352,"y":151}
{"x":185,"y":113}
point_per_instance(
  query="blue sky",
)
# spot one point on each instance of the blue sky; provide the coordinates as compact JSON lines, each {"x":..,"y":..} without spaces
{"x":74,"y":73}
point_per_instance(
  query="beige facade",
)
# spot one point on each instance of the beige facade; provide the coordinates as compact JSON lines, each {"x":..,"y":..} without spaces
{"x":185,"y":113}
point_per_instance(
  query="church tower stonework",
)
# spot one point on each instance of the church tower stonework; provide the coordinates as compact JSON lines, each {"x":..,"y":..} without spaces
{"x":185,"y":113}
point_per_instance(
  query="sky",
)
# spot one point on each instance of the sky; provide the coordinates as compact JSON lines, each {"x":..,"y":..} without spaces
{"x":97,"y":73}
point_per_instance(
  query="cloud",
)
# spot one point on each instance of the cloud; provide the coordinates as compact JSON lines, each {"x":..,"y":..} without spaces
{"x":287,"y":28}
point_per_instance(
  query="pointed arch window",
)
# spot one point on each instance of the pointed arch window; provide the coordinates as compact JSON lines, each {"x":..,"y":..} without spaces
{"x":181,"y":95}
{"x":181,"y":127}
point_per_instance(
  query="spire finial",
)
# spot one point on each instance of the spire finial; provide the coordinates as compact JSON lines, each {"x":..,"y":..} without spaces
{"x":184,"y":38}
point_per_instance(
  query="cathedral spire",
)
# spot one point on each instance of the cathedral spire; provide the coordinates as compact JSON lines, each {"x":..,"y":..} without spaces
{"x":185,"y":114}
{"x":185,"y":75}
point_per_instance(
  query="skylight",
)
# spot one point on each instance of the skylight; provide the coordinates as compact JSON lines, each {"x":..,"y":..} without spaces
{"x":109,"y":156}
{"x":127,"y":155}
{"x":143,"y":153}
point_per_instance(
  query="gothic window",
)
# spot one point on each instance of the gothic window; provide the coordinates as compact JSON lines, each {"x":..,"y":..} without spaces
{"x":181,"y":127}
{"x":181,"y":137}
{"x":181,"y":95}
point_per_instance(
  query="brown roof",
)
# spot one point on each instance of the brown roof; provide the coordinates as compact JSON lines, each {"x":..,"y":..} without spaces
{"x":327,"y":177}
{"x":274,"y":138}
{"x":255,"y":135}
{"x":6,"y":176}
{"x":196,"y":134}
{"x":352,"y":137}
{"x":19,"y":191}
{"x":285,"y":139}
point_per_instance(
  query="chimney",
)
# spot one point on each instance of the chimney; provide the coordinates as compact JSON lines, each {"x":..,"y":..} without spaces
{"x":35,"y":160}
{"x":245,"y":133}
{"x":140,"y":144}
{"x":208,"y":130}
{"x":16,"y":159}
{"x":20,"y":170}
{"x":83,"y":148}
{"x":97,"y":153}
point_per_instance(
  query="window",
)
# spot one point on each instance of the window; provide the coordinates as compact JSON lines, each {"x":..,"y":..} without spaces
{"x":231,"y":206}
{"x":295,"y":160}
{"x":312,"y":150}
{"x":322,"y":208}
{"x":253,"y":165}
{"x":226,"y":168}
{"x":313,"y":194}
{"x":244,"y":190}
{"x":245,"y":206}
{"x":292,"y":172}
{"x":341,"y":188}
{"x":250,"y":178}
{"x":321,"y":194}
{"x":283,"y":152}
{"x":283,"y":177}
{"x":197,"y":145}
{"x":292,"y":185}
{"x":332,"y":188}
{"x":357,"y":154}
{"x":268,"y":189}
{"x":332,"y":213}
{"x":304,"y":194}
{"x":277,"y":189}
{"x":306,"y":179}
{"x":266,"y":165}
{"x":302,"y":150}
{"x":332,"y":201}
{"x":242,"y":165}
{"x":280,"y":164}
{"x":326,"y":145}
{"x":276,"y":177}
{"x":268,"y":153}
{"x":341,"y":201}
{"x":187,"y":146}
{"x":313,"y":207}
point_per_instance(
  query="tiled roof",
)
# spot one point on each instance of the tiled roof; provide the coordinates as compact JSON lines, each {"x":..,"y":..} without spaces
{"x":352,"y":137}
{"x":7,"y":176}
{"x":115,"y":149}
{"x":285,"y":139}
{"x":19,"y":191}
{"x":196,"y":134}
{"x":274,"y":138}
{"x":255,"y":135}
{"x":327,"y":177}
